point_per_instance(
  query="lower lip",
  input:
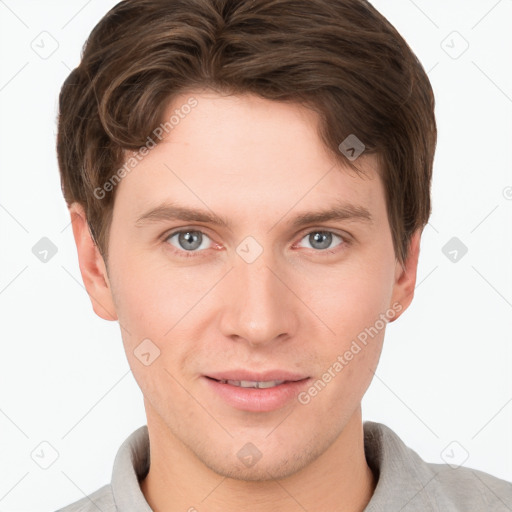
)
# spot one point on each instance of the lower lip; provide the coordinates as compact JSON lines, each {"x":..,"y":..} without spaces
{"x":255,"y":399}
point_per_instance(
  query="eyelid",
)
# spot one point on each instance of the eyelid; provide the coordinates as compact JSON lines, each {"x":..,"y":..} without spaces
{"x":345,"y":239}
{"x":177,"y":231}
{"x":185,"y":229}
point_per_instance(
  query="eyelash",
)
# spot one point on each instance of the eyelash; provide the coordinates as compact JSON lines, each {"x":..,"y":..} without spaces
{"x":345,"y":241}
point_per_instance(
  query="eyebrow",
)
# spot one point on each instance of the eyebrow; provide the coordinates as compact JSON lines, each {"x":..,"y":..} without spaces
{"x":340,"y":211}
{"x":172,"y":211}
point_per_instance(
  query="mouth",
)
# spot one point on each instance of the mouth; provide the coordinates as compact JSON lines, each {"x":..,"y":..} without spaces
{"x":257,"y":394}
{"x":261,"y":384}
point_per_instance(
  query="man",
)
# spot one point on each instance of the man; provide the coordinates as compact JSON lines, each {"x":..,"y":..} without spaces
{"x":248,"y":182}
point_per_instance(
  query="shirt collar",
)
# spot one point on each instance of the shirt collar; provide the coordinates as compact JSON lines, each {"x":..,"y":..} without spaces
{"x":130,"y":466}
{"x":402,"y":475}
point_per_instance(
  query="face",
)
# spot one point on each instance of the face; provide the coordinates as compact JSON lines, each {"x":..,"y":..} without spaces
{"x":252,"y":276}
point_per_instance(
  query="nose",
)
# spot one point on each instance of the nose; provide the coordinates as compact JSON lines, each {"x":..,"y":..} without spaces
{"x":258,"y":304}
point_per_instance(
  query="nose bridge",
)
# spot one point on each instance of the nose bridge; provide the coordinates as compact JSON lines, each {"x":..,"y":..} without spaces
{"x":258,"y":307}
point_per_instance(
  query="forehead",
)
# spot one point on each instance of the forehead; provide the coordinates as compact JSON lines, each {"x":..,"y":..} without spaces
{"x":246,"y":153}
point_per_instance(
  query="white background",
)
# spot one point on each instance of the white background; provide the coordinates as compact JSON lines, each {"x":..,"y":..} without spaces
{"x":445,"y":373}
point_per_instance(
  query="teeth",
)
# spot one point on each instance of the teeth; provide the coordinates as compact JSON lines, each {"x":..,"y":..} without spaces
{"x":269,"y":384}
{"x":253,"y":383}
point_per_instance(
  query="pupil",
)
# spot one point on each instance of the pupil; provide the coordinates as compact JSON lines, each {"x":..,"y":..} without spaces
{"x":322,"y":239}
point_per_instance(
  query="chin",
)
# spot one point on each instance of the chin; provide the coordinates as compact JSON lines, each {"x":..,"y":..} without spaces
{"x":261,"y":472}
{"x":275,"y":464}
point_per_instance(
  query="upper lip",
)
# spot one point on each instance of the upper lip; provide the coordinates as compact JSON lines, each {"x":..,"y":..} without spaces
{"x":265,"y":376}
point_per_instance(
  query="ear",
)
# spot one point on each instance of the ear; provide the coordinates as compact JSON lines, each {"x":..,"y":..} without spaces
{"x":92,"y":265}
{"x":405,"y":275}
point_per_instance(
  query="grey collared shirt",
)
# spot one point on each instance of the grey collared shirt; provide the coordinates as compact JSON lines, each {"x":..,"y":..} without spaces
{"x":405,"y":483}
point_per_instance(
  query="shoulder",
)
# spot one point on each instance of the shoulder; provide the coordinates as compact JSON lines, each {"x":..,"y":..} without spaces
{"x":408,"y":483}
{"x":102,"y":499}
{"x":469,"y":488}
{"x":131,"y":464}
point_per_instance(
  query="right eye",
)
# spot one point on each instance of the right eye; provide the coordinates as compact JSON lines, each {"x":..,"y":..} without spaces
{"x":189,"y":241}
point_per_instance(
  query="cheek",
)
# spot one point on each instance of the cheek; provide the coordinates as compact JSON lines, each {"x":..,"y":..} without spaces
{"x":150,"y":293}
{"x":163,"y":303}
{"x":152,"y":304}
{"x":349,"y":298}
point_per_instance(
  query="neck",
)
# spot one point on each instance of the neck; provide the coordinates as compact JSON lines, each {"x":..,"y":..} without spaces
{"x":338,"y":480}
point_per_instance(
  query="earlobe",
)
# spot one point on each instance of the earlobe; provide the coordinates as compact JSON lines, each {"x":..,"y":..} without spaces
{"x":92,"y":265}
{"x":405,"y":275}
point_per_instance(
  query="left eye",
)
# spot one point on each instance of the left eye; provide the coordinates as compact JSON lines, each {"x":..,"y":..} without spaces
{"x":189,"y":241}
{"x":322,"y":240}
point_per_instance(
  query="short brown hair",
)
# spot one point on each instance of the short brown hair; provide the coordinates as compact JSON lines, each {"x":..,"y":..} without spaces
{"x":339,"y":57}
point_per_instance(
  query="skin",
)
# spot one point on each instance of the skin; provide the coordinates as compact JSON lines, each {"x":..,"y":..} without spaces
{"x":297,"y":307}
